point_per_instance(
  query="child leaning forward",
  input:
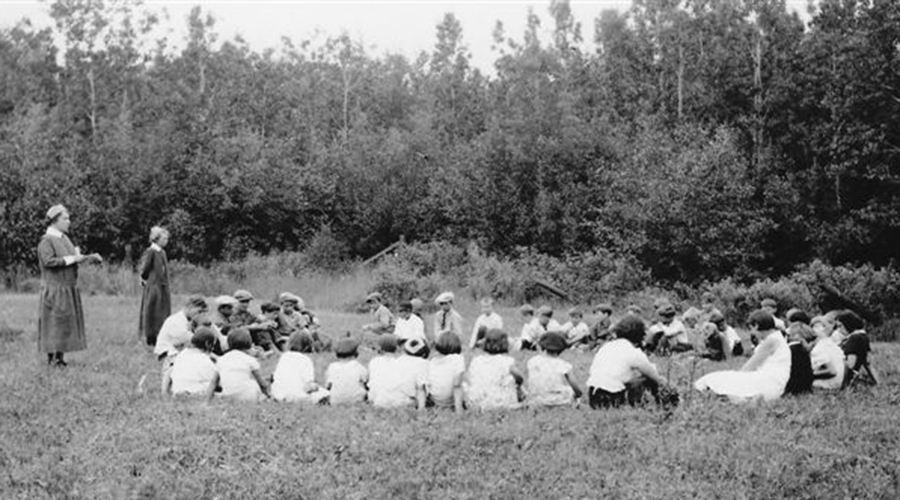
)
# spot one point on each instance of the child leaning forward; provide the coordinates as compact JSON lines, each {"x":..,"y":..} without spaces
{"x":621,"y":371}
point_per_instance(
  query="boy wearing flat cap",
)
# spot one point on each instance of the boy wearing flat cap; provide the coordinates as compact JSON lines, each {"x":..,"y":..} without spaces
{"x":447,"y":319}
{"x":384,"y":320}
{"x":533,"y":331}
{"x":262,"y":329}
{"x":668,"y":334}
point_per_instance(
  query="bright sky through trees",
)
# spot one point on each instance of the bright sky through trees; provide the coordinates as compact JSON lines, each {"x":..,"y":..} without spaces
{"x":397,"y":26}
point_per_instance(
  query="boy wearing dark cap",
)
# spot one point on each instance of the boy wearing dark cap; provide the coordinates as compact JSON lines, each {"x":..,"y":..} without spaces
{"x":668,"y":334}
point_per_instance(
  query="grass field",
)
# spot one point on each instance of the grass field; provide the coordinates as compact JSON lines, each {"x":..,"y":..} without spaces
{"x":86,"y":432}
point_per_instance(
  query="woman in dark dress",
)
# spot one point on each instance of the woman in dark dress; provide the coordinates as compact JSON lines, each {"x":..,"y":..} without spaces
{"x":61,"y":317}
{"x":156,"y":302}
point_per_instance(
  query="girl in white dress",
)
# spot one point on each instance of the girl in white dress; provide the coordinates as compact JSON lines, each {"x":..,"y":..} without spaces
{"x":445,"y":373}
{"x":294,"y":379}
{"x":550,"y":377}
{"x":493,"y":380}
{"x":239,"y":374}
{"x":764,"y":375}
{"x":193,"y":372}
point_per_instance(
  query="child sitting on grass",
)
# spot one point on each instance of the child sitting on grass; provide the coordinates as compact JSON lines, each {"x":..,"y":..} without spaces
{"x":549,"y":377}
{"x":398,"y":381}
{"x":175,"y":334}
{"x":194,"y":373}
{"x":294,"y":379}
{"x":621,"y":370}
{"x":487,"y":320}
{"x":600,"y":331}
{"x":445,"y":373}
{"x":493,"y":381}
{"x":577,"y":331}
{"x":346,"y":378}
{"x":239,"y":374}
{"x":764,"y":375}
{"x":826,"y":357}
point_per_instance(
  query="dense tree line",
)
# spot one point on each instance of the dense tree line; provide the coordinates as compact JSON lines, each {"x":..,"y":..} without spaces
{"x":697,"y":138}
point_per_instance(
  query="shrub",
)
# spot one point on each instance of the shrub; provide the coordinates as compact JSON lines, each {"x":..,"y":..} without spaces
{"x":325,"y":252}
{"x":737,"y":301}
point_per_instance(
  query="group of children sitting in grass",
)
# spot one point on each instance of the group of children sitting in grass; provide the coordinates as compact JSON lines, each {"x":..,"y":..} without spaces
{"x":203,"y":354}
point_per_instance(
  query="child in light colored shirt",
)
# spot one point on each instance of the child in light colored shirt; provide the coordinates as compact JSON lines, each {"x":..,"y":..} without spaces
{"x":194,"y":373}
{"x":549,"y":377}
{"x":492,"y":380}
{"x":445,"y":373}
{"x":398,"y":381}
{"x":294,"y":379}
{"x":408,"y":325}
{"x":346,"y":378}
{"x":826,"y":357}
{"x":239,"y":372}
{"x":621,"y":371}
{"x":532,"y":332}
{"x":576,"y":330}
{"x":174,"y":335}
{"x":488,"y":320}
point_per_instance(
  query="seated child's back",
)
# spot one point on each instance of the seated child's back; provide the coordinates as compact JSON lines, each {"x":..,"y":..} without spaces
{"x":492,"y":380}
{"x":193,"y":370}
{"x":548,"y":383}
{"x":396,"y":381}
{"x":346,"y":378}
{"x":446,"y":371}
{"x":237,"y":369}
{"x":294,"y":379}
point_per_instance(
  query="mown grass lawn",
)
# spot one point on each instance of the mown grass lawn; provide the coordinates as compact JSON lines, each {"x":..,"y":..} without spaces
{"x":87,"y":432}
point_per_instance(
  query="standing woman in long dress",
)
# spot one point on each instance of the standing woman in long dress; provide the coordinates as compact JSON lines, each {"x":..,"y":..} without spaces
{"x":156,"y":301}
{"x":61,"y":317}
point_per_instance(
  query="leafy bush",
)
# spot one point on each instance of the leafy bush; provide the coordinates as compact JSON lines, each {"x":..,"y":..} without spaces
{"x":325,"y":252}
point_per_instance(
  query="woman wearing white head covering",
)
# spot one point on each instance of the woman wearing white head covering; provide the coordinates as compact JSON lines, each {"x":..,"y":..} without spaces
{"x":156,"y":301}
{"x":61,"y":317}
